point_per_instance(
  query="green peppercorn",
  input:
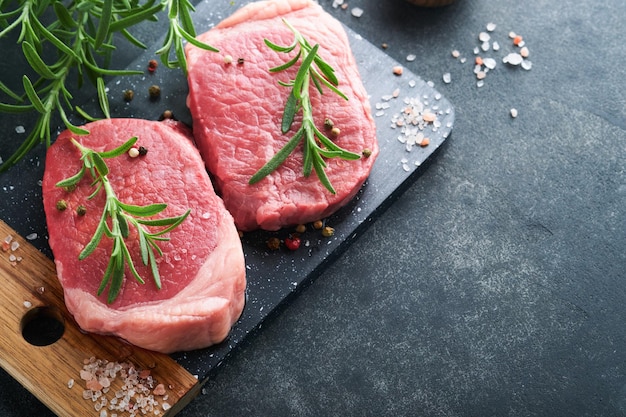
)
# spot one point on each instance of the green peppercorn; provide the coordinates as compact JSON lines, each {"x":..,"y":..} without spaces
{"x":61,"y":205}
{"x":154,"y":91}
{"x":273,"y":243}
{"x":367,"y":152}
{"x":129,"y":95}
{"x":81,"y":210}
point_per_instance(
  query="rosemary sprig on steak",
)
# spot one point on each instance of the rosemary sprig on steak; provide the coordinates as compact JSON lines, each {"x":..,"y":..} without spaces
{"x":121,"y":217}
{"x":79,"y":35}
{"x":316,"y":145}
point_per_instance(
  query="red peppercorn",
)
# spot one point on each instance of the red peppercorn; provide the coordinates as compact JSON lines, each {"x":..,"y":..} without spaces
{"x":292,"y":242}
{"x":152,"y":65}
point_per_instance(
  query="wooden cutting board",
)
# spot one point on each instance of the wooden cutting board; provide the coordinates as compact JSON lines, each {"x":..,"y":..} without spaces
{"x":32,"y":301}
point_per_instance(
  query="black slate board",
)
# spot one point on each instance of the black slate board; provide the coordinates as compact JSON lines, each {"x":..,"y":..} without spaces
{"x":275,"y":276}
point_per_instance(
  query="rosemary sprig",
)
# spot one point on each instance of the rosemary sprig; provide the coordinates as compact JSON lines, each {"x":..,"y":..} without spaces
{"x":316,"y":145}
{"x":180,"y":29}
{"x":121,"y":217}
{"x":79,"y":34}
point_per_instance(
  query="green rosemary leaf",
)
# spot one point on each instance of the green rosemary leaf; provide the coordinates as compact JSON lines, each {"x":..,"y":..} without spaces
{"x":287,"y":64}
{"x":102,"y":97}
{"x":85,"y":115}
{"x":103,"y":24}
{"x":186,"y":24}
{"x":113,"y":73}
{"x":132,"y":39}
{"x":173,"y":223}
{"x":64,"y":16}
{"x":58,"y":43}
{"x":6,"y":90}
{"x":143,"y":211}
{"x":100,"y":165}
{"x":123,"y":148}
{"x":303,"y":72}
{"x":108,"y":272}
{"x":143,"y":247}
{"x":15,"y":108}
{"x":95,"y":239}
{"x":291,"y":107}
{"x":69,"y":125}
{"x":123,"y":224}
{"x":307,"y":151}
{"x":154,"y":269}
{"x":195,"y":42}
{"x":73,"y":180}
{"x":321,"y":175}
{"x":278,"y":48}
{"x":277,"y":159}
{"x":327,"y":70}
{"x":129,"y":262}
{"x":32,"y":95}
{"x":116,"y":283}
{"x":35,"y":61}
{"x":145,"y":13}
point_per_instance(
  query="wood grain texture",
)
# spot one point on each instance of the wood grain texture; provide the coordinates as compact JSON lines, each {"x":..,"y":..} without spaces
{"x":31,"y":283}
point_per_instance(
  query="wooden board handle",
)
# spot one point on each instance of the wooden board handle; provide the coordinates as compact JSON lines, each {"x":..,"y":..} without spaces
{"x":32,"y":298}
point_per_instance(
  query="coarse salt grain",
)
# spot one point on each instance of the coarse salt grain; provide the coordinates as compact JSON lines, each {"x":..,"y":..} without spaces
{"x":514,"y":113}
{"x":491,"y":27}
{"x":489,"y":63}
{"x":31,"y":236}
{"x":513,"y":59}
{"x":447,"y":78}
{"x":356,"y":12}
{"x":411,"y":57}
{"x":28,"y":304}
{"x":20,"y":129}
{"x":456,"y":53}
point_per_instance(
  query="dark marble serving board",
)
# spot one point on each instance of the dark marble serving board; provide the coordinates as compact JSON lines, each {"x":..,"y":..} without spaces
{"x":273,"y":276}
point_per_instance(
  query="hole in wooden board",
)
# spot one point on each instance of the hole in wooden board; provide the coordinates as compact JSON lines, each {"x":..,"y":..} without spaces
{"x":42,"y":326}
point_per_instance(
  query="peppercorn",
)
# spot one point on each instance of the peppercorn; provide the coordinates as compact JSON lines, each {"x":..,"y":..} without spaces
{"x":293,"y":242}
{"x":167,"y":114}
{"x":273,"y":243}
{"x":328,"y":231}
{"x":318,"y":224}
{"x":142,"y":151}
{"x":129,"y":95}
{"x":367,"y":152}
{"x":240,"y":61}
{"x":328,"y":124}
{"x":335,"y":132}
{"x":81,"y":210}
{"x":133,"y":152}
{"x":154,"y":91}
{"x":152,"y":65}
{"x":300,"y":228}
{"x":61,"y":205}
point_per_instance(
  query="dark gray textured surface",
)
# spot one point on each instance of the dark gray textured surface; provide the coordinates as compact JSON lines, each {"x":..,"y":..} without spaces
{"x":494,"y":285}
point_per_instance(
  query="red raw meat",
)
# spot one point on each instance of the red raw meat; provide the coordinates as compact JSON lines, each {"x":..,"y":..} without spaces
{"x":237,"y":110}
{"x":202,"y":270}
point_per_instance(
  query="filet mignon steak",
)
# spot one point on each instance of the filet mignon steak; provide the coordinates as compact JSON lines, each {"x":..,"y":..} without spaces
{"x":237,"y":109}
{"x":202,"y":269}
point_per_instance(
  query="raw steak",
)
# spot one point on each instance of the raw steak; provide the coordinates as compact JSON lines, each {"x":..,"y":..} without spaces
{"x":202,"y":270}
{"x":237,"y":110}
